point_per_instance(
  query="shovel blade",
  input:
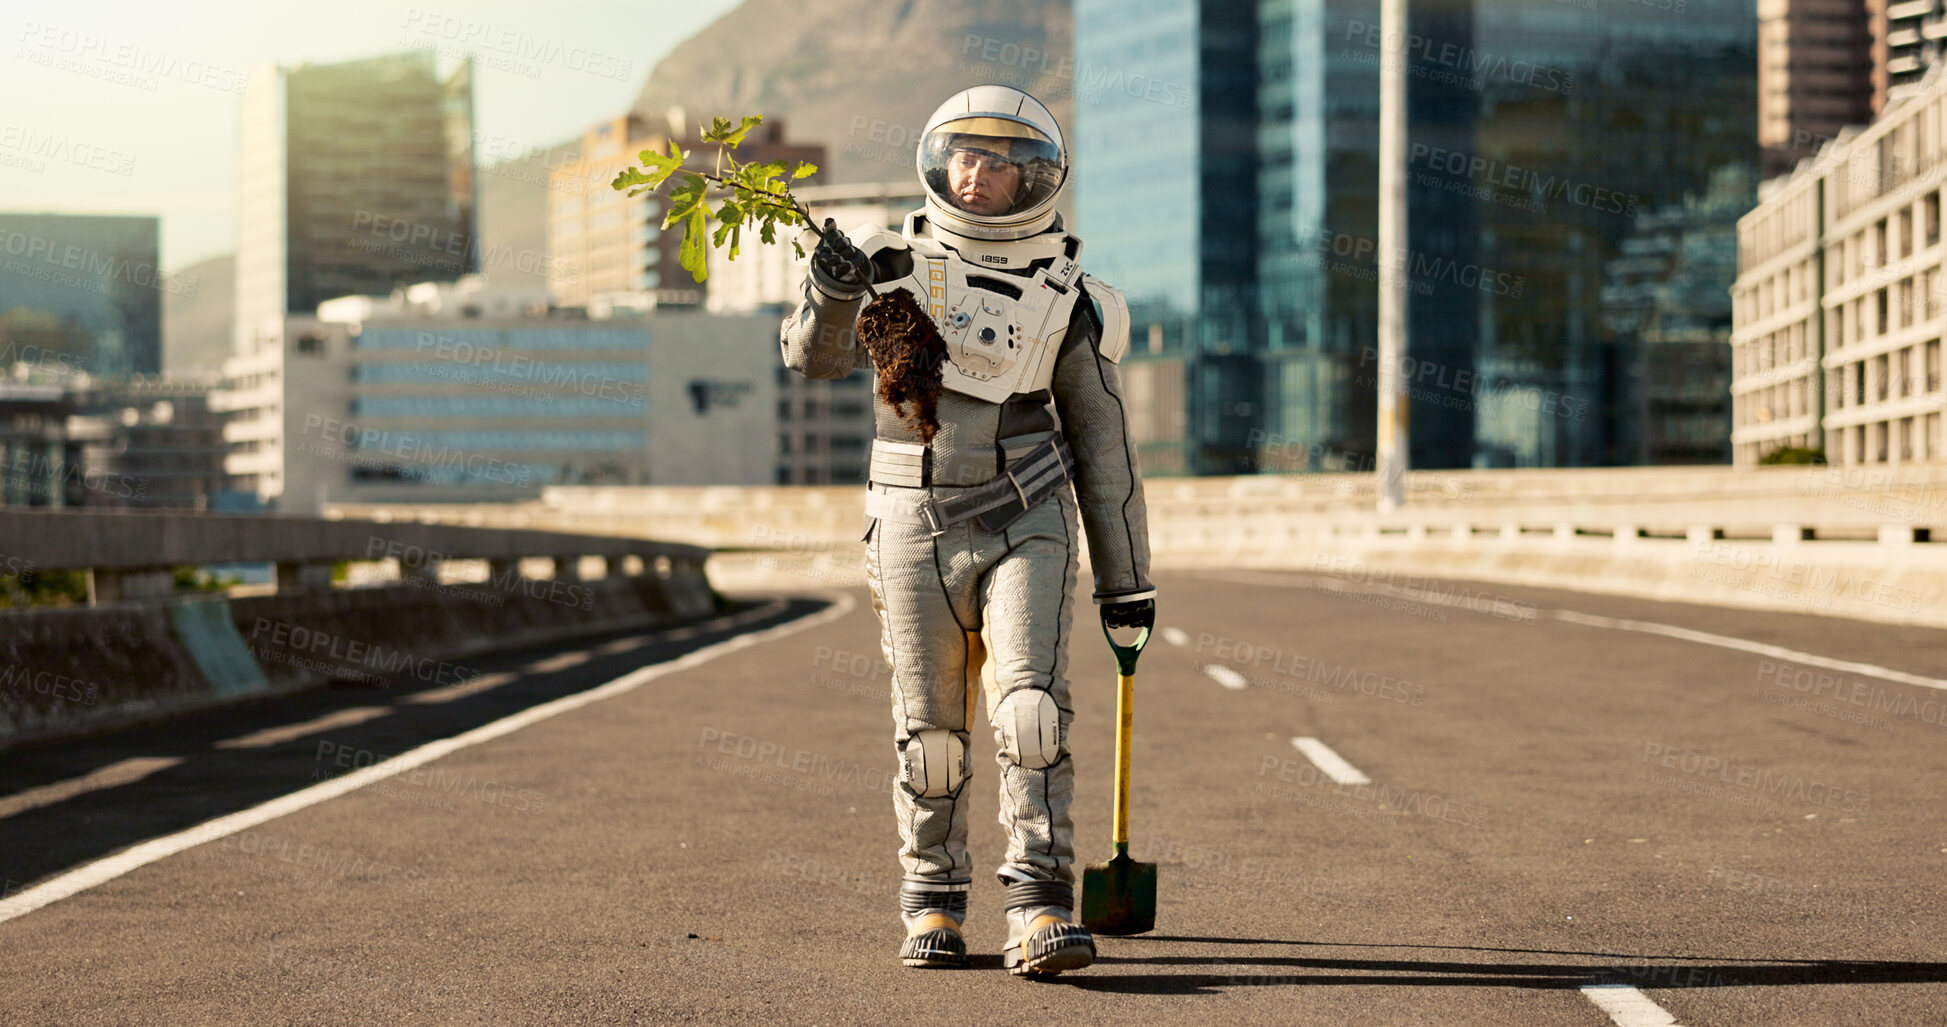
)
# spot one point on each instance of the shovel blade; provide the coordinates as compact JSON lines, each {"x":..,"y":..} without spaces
{"x":1119,"y":897}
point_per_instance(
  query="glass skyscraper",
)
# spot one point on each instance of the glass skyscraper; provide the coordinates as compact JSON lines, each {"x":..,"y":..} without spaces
{"x":1537,"y":133}
{"x":82,"y":292}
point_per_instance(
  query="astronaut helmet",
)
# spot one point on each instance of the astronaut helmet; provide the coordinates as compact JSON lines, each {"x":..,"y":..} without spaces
{"x":992,"y":164}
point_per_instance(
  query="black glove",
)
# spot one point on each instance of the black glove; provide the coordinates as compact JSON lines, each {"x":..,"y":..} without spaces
{"x":839,"y":267}
{"x":1138,"y":614}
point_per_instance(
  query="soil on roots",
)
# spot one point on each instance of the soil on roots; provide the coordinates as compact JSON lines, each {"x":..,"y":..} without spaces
{"x":909,"y":355}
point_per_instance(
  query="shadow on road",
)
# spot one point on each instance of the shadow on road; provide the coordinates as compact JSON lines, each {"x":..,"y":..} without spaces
{"x":1643,"y":971}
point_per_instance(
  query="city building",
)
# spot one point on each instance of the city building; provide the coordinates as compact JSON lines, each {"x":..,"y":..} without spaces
{"x":1667,"y":312}
{"x":1815,"y":75}
{"x":1907,"y":36}
{"x":157,"y":437}
{"x":84,"y":290}
{"x":1837,"y":308}
{"x":451,"y":392}
{"x":1206,"y":132}
{"x":614,"y":242}
{"x":353,"y":179}
{"x":37,"y":463}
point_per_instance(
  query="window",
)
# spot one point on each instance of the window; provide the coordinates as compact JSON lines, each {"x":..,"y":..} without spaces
{"x":1933,"y":366}
{"x":1906,"y":302}
{"x":1879,"y":244}
{"x":1906,"y":232}
{"x":1930,"y":217}
{"x":1880,"y":326}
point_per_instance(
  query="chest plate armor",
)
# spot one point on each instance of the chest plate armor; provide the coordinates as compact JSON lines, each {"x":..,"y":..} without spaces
{"x":1002,"y":330}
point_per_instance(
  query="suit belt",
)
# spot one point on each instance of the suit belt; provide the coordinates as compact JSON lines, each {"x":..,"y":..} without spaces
{"x":998,"y":502}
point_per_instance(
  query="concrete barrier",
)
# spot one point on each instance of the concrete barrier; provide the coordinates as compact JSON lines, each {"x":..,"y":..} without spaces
{"x":1853,"y":542}
{"x":139,"y":651}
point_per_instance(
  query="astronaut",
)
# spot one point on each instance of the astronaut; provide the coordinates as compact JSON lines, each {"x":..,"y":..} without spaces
{"x":971,"y":527}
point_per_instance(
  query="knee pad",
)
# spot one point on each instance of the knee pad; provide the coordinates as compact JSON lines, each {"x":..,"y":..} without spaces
{"x":1029,"y":725}
{"x":934,"y":762}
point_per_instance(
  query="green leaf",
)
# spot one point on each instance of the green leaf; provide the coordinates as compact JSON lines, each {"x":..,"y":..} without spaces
{"x":804,"y":170}
{"x":656,"y":168}
{"x":721,"y":131}
{"x":692,"y":254}
{"x":685,"y":198}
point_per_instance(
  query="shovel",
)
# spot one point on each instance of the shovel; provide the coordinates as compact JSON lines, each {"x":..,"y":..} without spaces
{"x":1119,"y":897}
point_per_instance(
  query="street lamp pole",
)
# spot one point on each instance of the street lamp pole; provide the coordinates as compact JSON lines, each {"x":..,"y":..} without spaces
{"x":1393,"y":256}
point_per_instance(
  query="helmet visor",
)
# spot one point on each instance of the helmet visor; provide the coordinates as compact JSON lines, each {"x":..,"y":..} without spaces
{"x":990,"y":167}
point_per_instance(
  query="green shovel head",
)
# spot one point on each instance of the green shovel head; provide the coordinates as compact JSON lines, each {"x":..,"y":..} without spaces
{"x":1119,"y":897}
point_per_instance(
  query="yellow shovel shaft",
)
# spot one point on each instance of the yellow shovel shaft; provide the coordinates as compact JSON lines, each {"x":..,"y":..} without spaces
{"x":1125,"y":709}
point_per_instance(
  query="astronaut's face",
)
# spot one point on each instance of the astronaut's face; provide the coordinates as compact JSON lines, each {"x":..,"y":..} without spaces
{"x":980,"y":177}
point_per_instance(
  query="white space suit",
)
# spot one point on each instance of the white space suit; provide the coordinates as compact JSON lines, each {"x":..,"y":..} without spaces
{"x":971,"y":534}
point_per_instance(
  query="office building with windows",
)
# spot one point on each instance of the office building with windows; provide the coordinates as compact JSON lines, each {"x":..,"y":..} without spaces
{"x":84,"y":291}
{"x":446,"y":392}
{"x":354,"y":179}
{"x":1838,"y":308}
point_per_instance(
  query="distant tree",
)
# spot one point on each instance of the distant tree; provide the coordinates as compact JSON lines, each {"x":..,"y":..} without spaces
{"x":1784,"y":455}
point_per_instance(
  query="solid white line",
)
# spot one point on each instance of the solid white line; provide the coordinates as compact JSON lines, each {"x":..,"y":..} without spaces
{"x":1176,"y":636}
{"x":119,"y":773}
{"x":623,"y":645}
{"x":1224,"y":675}
{"x":1627,"y":1006}
{"x":275,"y":735}
{"x":1760,"y":648}
{"x":471,"y":686}
{"x":1329,"y":763}
{"x":1646,"y":627}
{"x":559,"y":661}
{"x":104,"y":870}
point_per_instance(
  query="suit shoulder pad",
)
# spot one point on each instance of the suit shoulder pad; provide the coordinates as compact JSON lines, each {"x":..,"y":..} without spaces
{"x":1112,"y":313}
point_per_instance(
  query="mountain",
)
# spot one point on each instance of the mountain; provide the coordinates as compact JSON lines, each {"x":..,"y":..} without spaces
{"x":863,"y":75}
{"x":196,"y":321}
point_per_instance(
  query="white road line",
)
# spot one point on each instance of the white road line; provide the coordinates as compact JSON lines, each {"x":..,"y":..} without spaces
{"x":679,"y":634}
{"x":103,"y":870}
{"x":560,"y":661}
{"x":471,"y":686}
{"x":623,"y":645}
{"x":276,"y":735}
{"x":1224,"y":675}
{"x":119,"y":773}
{"x":1627,"y":1006}
{"x":1760,"y":648}
{"x":1646,"y":627}
{"x":1175,"y":636}
{"x":1329,"y":763}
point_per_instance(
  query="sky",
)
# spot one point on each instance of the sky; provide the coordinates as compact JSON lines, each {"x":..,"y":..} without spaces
{"x":125,"y":107}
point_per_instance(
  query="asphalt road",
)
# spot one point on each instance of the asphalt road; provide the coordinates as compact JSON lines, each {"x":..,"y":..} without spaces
{"x":1735,"y":824}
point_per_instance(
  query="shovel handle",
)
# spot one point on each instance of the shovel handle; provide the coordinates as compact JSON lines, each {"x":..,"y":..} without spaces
{"x":1125,"y":711}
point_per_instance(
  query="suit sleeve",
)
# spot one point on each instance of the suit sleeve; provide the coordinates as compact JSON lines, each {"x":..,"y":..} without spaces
{"x":1108,"y":483}
{"x":818,"y":338}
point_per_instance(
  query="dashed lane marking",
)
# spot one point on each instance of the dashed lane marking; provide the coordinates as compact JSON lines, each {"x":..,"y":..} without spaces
{"x":471,"y":686}
{"x":114,"y":774}
{"x":1329,"y":763}
{"x":277,"y":735}
{"x":560,"y":661}
{"x":1627,"y":1006}
{"x":103,"y":870}
{"x":623,"y":645}
{"x":1224,"y":675}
